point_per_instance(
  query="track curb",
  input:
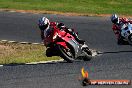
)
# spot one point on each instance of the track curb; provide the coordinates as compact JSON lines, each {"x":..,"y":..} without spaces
{"x":44,"y":62}
{"x":35,"y":63}
{"x":7,"y":41}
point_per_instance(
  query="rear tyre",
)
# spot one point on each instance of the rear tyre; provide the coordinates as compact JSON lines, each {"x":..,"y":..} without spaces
{"x":48,"y":52}
{"x":66,"y":54}
{"x":122,"y":42}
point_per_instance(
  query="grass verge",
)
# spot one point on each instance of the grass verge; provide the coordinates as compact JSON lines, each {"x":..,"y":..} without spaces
{"x":14,"y":53}
{"x":122,"y":7}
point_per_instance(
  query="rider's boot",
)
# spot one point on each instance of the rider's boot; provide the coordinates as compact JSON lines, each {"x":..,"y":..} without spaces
{"x":80,"y":41}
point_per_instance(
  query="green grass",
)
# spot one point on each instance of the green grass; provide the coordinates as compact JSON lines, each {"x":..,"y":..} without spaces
{"x":123,"y":7}
{"x":12,"y":53}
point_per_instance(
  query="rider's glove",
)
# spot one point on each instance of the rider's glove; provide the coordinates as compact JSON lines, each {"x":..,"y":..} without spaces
{"x":70,"y":30}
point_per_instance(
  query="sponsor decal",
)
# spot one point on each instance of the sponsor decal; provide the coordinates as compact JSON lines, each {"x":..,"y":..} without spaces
{"x":87,"y":81}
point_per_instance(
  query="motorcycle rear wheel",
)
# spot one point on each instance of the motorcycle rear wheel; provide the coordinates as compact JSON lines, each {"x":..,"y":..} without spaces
{"x":121,"y":41}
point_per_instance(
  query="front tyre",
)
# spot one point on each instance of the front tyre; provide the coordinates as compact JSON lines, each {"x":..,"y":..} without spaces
{"x":130,"y":39}
{"x":88,"y":54}
{"x":66,"y":54}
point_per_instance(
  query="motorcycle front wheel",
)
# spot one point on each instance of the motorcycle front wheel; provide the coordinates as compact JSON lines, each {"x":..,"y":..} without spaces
{"x":66,"y":54}
{"x":88,"y":55}
{"x":130,"y":39}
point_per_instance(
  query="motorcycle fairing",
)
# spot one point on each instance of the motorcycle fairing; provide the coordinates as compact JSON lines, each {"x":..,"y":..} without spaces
{"x":75,"y":45}
{"x":71,"y":41}
{"x":126,"y":30}
{"x":62,"y":44}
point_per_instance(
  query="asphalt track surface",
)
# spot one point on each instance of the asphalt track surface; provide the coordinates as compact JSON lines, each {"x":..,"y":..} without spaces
{"x":114,"y":61}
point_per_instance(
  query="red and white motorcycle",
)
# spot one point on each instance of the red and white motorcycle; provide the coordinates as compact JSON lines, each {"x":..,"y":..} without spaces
{"x":126,"y":33}
{"x":63,"y":44}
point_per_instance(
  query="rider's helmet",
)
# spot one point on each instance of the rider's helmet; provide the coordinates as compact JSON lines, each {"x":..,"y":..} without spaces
{"x":115,"y":19}
{"x":44,"y":23}
{"x":61,"y":26}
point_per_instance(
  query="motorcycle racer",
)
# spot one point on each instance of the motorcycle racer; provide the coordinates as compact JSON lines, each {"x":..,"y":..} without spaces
{"x":46,"y":28}
{"x":117,"y":24}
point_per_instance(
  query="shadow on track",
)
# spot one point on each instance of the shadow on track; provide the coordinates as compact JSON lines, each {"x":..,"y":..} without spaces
{"x":110,"y":52}
{"x":18,"y":64}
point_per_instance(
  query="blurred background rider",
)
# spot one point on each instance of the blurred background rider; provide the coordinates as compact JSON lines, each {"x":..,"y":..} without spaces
{"x":117,"y":24}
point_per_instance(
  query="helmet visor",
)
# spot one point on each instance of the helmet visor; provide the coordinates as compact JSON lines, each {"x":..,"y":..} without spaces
{"x":43,"y":26}
{"x":115,"y":21}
